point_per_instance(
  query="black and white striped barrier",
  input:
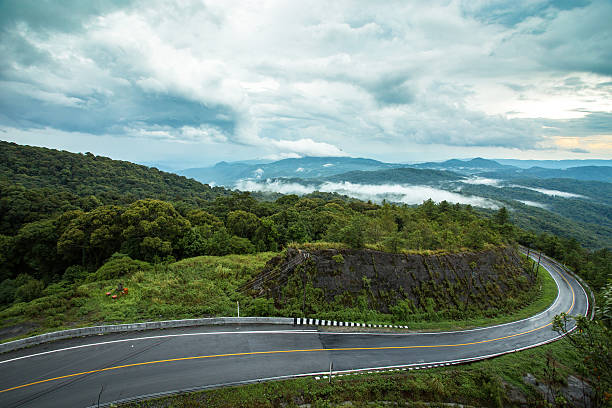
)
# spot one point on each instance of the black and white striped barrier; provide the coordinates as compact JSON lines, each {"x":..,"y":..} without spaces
{"x":303,"y":321}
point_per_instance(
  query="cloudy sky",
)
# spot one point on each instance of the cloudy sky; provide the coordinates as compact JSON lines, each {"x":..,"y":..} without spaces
{"x":188,"y":83}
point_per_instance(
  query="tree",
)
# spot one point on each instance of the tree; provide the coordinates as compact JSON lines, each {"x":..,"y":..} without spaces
{"x":242,"y":223}
{"x":201,"y":217}
{"x":90,"y":238}
{"x":501,"y":216}
{"x":354,"y":232}
{"x":196,"y":241}
{"x":7,"y":257}
{"x":266,"y":236}
{"x":36,"y":251}
{"x":394,"y":242}
{"x":475,"y":236}
{"x":156,"y":220}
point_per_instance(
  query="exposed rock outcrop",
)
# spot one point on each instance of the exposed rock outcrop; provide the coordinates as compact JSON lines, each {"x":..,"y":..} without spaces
{"x":483,"y":280}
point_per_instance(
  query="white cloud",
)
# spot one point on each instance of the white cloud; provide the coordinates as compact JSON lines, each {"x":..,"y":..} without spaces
{"x":290,"y":79}
{"x":377,"y":193}
{"x":307,"y":147}
{"x":482,"y":180}
{"x":275,"y":187}
{"x":533,"y":204}
{"x":552,"y":192}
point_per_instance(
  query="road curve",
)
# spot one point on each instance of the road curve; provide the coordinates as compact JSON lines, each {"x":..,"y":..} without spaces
{"x":76,"y":372}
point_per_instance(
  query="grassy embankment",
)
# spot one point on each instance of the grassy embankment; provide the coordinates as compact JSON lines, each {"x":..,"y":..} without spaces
{"x":492,"y":383}
{"x":199,"y":287}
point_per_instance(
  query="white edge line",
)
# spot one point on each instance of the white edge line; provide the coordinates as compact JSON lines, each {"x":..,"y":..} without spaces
{"x":160,"y":337}
{"x":322,"y":373}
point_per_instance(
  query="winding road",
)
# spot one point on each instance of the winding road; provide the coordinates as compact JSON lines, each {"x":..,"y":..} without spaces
{"x":79,"y":372}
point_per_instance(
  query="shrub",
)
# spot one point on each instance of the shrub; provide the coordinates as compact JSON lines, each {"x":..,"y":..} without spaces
{"x":75,"y":273}
{"x":118,"y":266}
{"x":29,"y":291}
{"x":261,"y":307}
{"x":241,"y":246}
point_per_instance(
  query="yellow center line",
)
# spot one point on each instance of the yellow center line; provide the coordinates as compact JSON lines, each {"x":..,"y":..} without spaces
{"x":252,"y":353}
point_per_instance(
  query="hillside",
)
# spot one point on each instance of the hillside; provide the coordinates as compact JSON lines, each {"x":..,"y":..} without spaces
{"x":407,"y":285}
{"x":401,"y":175}
{"x":86,"y":174}
{"x":472,"y":166}
{"x":36,"y":183}
{"x":581,"y":210}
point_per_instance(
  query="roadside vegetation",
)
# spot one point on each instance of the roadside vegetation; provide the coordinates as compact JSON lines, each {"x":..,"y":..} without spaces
{"x":207,"y":286}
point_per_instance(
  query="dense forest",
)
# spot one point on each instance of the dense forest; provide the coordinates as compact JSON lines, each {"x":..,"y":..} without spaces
{"x":587,"y":219}
{"x":63,"y":215}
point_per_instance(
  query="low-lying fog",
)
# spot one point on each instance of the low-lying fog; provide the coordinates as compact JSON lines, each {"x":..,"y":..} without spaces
{"x":408,"y":194}
{"x":482,"y":180}
{"x":533,"y":203}
{"x":556,"y":193}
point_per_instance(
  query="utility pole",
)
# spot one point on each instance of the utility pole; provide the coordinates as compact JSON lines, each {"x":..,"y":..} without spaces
{"x":238,"y":307}
{"x":331,"y":364}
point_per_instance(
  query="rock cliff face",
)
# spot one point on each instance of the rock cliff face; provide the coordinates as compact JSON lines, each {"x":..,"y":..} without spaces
{"x":482,"y":280}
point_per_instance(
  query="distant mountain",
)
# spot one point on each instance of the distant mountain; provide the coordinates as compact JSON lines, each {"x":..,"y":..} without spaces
{"x":594,"y":173}
{"x":472,"y":166}
{"x":397,"y":176}
{"x":554,"y":164}
{"x":228,"y":174}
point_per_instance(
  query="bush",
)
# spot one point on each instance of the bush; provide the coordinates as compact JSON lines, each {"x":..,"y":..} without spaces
{"x":75,"y":273}
{"x":338,"y":258}
{"x":119,"y":266}
{"x":240,"y":245}
{"x":29,"y":291}
{"x":261,"y":307}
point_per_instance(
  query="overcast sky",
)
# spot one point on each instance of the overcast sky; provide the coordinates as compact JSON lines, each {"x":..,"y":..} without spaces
{"x":188,"y":83}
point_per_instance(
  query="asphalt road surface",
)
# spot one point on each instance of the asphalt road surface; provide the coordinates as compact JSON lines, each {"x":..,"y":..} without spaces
{"x":76,"y":372}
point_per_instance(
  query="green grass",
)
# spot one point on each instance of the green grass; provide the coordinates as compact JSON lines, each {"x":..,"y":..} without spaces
{"x":483,"y":383}
{"x":195,"y":287}
{"x":203,"y":287}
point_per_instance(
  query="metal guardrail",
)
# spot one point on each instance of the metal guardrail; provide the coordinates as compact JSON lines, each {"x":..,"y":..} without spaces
{"x":122,"y":328}
{"x":585,"y":286}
